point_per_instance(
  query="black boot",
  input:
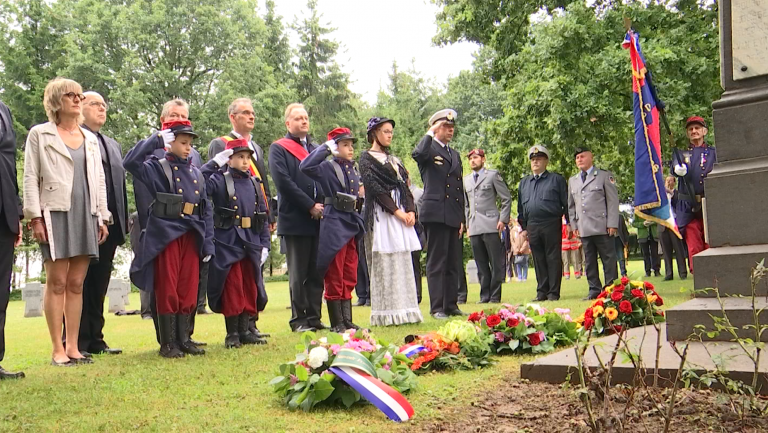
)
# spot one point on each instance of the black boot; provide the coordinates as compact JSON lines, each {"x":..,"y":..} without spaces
{"x":246,"y":336}
{"x":254,"y":330}
{"x":346,"y":312}
{"x":336,"y":316}
{"x":182,"y":336}
{"x":233,"y":338}
{"x":166,"y":330}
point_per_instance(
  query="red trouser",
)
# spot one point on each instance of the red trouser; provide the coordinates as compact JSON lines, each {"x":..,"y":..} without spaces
{"x":240,"y":291}
{"x":341,"y":277}
{"x":177,"y":272}
{"x":694,"y":237}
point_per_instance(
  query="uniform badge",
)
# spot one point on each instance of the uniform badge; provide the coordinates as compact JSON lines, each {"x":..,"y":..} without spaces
{"x":449,"y":116}
{"x":438,"y":158}
{"x":438,"y":163}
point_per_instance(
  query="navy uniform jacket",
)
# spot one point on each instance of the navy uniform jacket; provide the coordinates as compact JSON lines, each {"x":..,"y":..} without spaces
{"x":142,"y":195}
{"x":542,"y":201}
{"x":700,"y":161}
{"x":10,"y":202}
{"x":296,"y":192}
{"x":187,"y":181}
{"x":337,"y":227}
{"x":235,"y":244}
{"x":440,"y":168}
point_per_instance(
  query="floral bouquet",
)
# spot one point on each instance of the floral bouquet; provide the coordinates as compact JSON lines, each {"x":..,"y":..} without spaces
{"x":457,"y":345}
{"x":623,"y":305}
{"x":526,"y":329}
{"x":306,"y":382}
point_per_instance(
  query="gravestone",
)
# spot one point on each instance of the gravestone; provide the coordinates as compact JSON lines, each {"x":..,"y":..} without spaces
{"x":32,"y":295}
{"x":472,"y":272}
{"x":118,"y":292}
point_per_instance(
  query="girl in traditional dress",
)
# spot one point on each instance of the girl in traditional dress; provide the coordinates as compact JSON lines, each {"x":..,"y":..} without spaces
{"x":390,"y":216}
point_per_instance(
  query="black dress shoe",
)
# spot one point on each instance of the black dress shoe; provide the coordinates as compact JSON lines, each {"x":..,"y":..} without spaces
{"x":456,"y":312}
{"x":318,"y":325}
{"x":110,"y":351}
{"x":368,"y":303}
{"x":497,"y":301}
{"x":647,"y":274}
{"x":669,"y":278}
{"x":87,"y":354}
{"x":656,"y":274}
{"x":440,"y":316}
{"x":195,"y":342}
{"x":360,"y":302}
{"x":482,"y":302}
{"x":590,"y":298}
{"x":683,"y":277}
{"x":4,"y":374}
{"x":552,"y":299}
{"x":303,"y":328}
{"x":538,"y":299}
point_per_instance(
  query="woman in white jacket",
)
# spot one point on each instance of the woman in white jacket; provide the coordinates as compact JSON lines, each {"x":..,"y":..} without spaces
{"x":65,"y":200}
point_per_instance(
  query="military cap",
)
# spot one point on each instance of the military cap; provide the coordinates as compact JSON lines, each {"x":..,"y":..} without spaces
{"x":447,"y":114}
{"x":538,"y":151}
{"x":478,"y":152}
{"x":339,"y":134}
{"x":239,"y":145}
{"x":579,"y":150}
{"x":695,"y":119}
{"x":179,"y":127}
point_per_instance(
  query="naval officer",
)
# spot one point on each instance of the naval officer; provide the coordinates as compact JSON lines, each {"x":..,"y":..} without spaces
{"x":442,"y":212}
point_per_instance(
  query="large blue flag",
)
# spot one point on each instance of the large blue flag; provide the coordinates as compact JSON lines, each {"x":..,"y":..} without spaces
{"x":651,"y":201}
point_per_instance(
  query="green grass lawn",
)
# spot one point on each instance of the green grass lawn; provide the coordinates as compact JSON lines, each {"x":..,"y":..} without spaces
{"x":228,"y":390}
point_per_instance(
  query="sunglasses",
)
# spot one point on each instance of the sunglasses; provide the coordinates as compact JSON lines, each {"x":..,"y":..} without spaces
{"x":72,"y":95}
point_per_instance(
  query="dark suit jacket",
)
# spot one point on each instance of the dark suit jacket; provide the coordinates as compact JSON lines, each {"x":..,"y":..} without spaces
{"x":11,"y":212}
{"x":296,"y":192}
{"x":443,"y":199}
{"x":112,"y":160}
{"x":217,"y":145}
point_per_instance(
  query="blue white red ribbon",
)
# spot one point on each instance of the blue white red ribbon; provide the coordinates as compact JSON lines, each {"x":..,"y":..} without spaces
{"x":411,"y":351}
{"x":381,"y":395}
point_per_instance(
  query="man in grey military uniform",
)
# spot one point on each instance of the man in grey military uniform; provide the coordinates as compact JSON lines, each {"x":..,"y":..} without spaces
{"x":593,"y":207}
{"x":485,"y":223}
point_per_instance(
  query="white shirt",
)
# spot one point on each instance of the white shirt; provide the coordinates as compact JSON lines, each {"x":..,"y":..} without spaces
{"x":255,"y":155}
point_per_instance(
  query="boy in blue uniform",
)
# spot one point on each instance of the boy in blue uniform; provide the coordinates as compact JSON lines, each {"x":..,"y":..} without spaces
{"x":180,"y":230}
{"x":241,"y":239}
{"x":341,"y":224}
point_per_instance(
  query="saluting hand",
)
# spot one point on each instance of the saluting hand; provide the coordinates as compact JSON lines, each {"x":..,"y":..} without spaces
{"x":436,"y":126}
{"x":168,"y":137}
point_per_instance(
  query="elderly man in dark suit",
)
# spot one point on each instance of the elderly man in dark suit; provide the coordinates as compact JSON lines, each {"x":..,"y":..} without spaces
{"x":300,"y":205}
{"x":442,"y":212}
{"x":10,"y":226}
{"x":91,"y":339}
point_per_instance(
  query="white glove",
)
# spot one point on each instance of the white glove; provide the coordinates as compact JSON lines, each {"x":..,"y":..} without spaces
{"x":681,"y":169}
{"x":264,"y":255}
{"x":222,"y":158}
{"x":207,"y":258}
{"x":333,"y":146}
{"x":167,"y":136}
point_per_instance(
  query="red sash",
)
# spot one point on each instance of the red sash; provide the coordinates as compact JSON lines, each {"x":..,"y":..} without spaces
{"x":293,"y":148}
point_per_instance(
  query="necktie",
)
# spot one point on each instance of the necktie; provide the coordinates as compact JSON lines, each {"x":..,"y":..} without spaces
{"x":536,"y":177}
{"x":476,"y":176}
{"x":583,"y":176}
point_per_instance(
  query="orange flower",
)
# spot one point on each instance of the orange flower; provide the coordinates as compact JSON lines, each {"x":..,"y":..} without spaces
{"x":454,"y":348}
{"x":611,"y":313}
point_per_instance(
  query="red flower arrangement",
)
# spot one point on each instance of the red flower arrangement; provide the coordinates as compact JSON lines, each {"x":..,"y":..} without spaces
{"x":623,"y":305}
{"x":493,"y":320}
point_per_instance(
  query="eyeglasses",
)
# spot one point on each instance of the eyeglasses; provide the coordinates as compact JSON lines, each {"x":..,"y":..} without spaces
{"x":72,"y":95}
{"x":247,"y":113}
{"x":99,"y":104}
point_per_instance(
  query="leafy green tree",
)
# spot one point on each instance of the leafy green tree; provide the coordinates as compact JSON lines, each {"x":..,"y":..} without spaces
{"x":277,"y":49}
{"x":320,"y":84}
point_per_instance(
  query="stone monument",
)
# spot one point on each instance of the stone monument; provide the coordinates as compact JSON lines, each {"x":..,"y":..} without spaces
{"x":117,"y":292}
{"x":32,"y":295}
{"x":472,"y":272}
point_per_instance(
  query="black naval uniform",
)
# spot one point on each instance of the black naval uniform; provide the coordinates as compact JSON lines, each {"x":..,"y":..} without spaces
{"x":542,"y":202}
{"x":442,"y":213}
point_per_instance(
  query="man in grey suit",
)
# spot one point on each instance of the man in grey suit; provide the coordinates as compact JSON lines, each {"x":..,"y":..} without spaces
{"x":485,"y":223}
{"x":593,"y":207}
